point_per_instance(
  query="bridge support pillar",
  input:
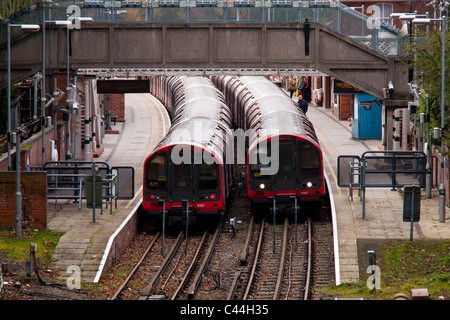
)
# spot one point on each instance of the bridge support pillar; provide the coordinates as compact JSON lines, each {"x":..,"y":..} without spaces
{"x":389,"y":108}
{"x":405,"y":130}
{"x":87,"y":154}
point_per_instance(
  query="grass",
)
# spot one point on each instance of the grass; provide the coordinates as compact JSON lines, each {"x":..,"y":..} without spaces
{"x":404,"y":265}
{"x":19,"y":249}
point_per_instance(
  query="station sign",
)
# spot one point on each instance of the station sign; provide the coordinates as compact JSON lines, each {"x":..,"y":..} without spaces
{"x":341,"y":87}
{"x":123,"y":86}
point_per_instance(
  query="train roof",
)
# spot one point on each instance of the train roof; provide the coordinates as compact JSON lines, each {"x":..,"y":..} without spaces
{"x":277,"y":113}
{"x":201,"y":118}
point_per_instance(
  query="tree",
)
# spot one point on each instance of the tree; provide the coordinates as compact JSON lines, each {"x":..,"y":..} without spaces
{"x":8,"y":7}
{"x":424,"y":55}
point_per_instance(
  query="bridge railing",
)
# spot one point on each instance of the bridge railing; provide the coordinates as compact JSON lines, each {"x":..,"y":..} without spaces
{"x":374,"y":33}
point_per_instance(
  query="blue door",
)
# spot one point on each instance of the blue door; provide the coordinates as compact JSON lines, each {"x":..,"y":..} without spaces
{"x":369,"y":118}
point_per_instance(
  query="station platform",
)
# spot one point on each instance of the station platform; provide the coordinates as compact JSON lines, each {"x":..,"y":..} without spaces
{"x":383,"y":218}
{"x":85,"y":242}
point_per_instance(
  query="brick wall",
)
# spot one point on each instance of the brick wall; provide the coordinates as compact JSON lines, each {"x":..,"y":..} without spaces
{"x":34,"y":199}
{"x":116,"y":106}
{"x":31,"y":154}
{"x":123,"y":239}
{"x":61,"y":83}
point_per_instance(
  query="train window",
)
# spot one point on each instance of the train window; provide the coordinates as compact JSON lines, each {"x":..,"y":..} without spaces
{"x":156,"y":173}
{"x":182,"y":176}
{"x":207,"y":176}
{"x":309,"y":160}
{"x":258,"y":158}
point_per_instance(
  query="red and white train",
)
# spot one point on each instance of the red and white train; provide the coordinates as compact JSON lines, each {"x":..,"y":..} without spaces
{"x":187,"y":170}
{"x":284,"y":158}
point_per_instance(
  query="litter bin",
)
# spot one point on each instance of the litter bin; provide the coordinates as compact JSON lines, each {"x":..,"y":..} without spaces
{"x":98,"y":191}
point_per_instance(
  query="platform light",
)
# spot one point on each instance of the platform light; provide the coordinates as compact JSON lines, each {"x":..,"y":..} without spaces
{"x":85,"y":19}
{"x":396,"y":14}
{"x":407,"y":17}
{"x":32,"y":27}
{"x":18,"y":211}
{"x":422,"y":20}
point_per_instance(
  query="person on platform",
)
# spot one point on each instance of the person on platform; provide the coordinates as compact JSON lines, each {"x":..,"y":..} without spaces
{"x":302,"y":103}
{"x":292,"y":86}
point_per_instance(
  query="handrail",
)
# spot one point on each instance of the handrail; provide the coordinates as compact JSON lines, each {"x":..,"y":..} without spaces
{"x":332,"y":14}
{"x":56,"y":188}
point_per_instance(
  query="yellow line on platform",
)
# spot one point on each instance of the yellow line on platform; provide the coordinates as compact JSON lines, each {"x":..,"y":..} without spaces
{"x":134,"y":198}
{"x":333,"y":174}
{"x":325,"y":143}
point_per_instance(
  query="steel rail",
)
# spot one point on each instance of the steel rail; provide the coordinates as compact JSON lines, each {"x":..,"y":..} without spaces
{"x":191,"y":266}
{"x":147,"y":290}
{"x":308,"y":272}
{"x":245,"y":250}
{"x":279,"y":283}
{"x":255,"y":262}
{"x":234,"y":285}
{"x":138,"y":264}
{"x":198,"y":278}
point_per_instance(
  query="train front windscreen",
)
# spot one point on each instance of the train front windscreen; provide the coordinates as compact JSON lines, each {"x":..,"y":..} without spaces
{"x":297,"y":166}
{"x":184,"y":181}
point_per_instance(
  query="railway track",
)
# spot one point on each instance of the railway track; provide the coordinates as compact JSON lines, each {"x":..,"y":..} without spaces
{"x":272,"y":275}
{"x":178,"y":276}
{"x":286,"y":264}
{"x":136,"y":267}
{"x":267,"y":273}
{"x":253,"y":262}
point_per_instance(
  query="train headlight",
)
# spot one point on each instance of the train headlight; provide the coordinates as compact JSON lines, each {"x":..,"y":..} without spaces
{"x":262,"y":186}
{"x":309,"y":184}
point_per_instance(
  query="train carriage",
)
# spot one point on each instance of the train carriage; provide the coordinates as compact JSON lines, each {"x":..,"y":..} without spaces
{"x":189,"y":165}
{"x":284,"y":158}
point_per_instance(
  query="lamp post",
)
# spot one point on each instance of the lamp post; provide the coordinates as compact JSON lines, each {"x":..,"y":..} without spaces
{"x":70,"y":105}
{"x":443,"y":21}
{"x":31,"y":27}
{"x":43,"y":105}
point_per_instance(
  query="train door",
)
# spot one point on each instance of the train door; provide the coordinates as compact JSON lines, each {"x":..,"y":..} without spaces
{"x":182,"y":182}
{"x":286,"y":170}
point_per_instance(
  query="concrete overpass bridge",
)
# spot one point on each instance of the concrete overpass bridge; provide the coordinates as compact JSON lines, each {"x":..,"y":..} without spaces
{"x":251,"y":37}
{"x":132,"y":38}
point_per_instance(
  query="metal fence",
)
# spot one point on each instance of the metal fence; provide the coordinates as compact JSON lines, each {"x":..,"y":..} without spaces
{"x":69,"y":180}
{"x":382,"y":169}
